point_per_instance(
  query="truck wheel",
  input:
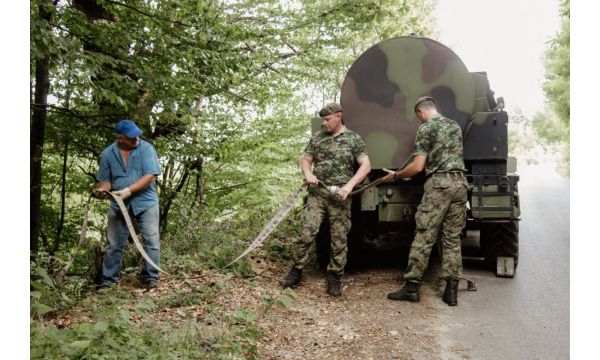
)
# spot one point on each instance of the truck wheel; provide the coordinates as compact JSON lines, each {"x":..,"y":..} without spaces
{"x":499,"y":239}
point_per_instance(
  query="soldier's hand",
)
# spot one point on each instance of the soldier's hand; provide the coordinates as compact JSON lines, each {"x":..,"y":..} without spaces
{"x":312,"y":179}
{"x":100,"y":194}
{"x":390,"y":177}
{"x":344,"y":191}
{"x":124,"y":193}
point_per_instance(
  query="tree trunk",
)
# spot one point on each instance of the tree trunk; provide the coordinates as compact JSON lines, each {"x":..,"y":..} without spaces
{"x":37,"y":129}
{"x":63,"y":188}
{"x":164,"y":216}
{"x":63,"y":193}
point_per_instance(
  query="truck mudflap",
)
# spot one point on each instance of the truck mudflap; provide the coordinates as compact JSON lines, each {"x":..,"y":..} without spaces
{"x":505,"y":266}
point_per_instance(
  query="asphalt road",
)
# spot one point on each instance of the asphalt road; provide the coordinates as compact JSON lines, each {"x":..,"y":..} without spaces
{"x":526,"y":317}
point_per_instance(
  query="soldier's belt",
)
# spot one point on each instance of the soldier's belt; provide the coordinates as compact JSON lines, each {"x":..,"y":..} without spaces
{"x":448,"y":174}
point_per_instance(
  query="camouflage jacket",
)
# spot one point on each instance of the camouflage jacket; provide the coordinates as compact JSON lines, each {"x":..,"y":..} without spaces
{"x":440,"y":139}
{"x":334,"y":157}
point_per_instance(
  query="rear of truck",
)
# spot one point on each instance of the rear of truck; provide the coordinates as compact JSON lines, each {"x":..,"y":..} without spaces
{"x":377,"y":98}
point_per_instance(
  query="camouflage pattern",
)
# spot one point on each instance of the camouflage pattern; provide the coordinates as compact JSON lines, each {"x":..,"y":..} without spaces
{"x":442,"y":156}
{"x":382,"y":85}
{"x":334,"y":157}
{"x":443,"y":205}
{"x":318,"y":205}
{"x":378,"y":96}
{"x":442,"y":210}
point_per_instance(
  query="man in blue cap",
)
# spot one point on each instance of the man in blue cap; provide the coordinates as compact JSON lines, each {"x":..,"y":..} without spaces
{"x":129,"y":168}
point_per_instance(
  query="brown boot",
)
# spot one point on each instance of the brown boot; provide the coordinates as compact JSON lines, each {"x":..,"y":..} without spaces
{"x":333,"y":284}
{"x":451,"y":292}
{"x":292,"y":279}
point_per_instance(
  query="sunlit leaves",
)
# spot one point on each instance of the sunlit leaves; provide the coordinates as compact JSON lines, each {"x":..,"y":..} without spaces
{"x":557,"y":62}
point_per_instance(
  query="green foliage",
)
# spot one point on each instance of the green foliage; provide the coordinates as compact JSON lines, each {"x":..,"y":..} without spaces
{"x":184,"y":299}
{"x":46,"y":295}
{"x":230,"y":84}
{"x":557,"y":62}
{"x":554,"y":136}
{"x":538,"y":139}
{"x":112,"y":336}
{"x":553,"y":124}
{"x":277,"y":250}
{"x":549,"y":127}
{"x":111,"y":333}
{"x":268,"y":300}
{"x":224,"y":90}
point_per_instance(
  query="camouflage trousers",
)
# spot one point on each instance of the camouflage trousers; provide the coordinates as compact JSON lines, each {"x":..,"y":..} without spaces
{"x":442,"y":211}
{"x":318,"y":205}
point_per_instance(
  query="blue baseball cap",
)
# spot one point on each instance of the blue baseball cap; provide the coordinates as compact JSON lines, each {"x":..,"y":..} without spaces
{"x":128,"y":128}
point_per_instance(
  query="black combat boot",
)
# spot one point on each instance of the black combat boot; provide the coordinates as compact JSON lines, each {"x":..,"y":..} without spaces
{"x":292,"y":279}
{"x":451,"y":292}
{"x":333,"y":284}
{"x":410,"y":292}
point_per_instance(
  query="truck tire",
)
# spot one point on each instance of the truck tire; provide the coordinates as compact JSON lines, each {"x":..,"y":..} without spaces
{"x":499,"y":239}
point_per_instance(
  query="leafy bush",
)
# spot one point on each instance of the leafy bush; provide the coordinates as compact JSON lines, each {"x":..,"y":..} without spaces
{"x":113,"y":335}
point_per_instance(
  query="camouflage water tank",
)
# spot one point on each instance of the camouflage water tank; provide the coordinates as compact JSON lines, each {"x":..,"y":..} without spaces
{"x":380,"y":89}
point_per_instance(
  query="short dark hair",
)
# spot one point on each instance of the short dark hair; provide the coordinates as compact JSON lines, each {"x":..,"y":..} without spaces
{"x":424,"y":102}
{"x":427,"y":104}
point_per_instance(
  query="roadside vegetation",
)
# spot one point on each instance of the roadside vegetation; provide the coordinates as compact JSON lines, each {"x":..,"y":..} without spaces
{"x":545,"y":136}
{"x":225,"y":92}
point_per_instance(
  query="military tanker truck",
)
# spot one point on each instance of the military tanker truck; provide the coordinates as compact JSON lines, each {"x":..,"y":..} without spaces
{"x":377,"y":97}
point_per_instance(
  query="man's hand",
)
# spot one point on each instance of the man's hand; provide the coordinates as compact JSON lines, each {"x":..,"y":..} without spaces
{"x":312,"y":179}
{"x":344,"y":191}
{"x":100,"y":194}
{"x":123,"y":194}
{"x":390,"y":177}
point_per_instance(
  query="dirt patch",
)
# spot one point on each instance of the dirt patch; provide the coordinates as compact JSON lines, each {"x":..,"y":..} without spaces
{"x":361,"y":324}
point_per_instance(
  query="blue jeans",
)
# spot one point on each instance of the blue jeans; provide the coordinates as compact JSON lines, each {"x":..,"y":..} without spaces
{"x":117,"y":235}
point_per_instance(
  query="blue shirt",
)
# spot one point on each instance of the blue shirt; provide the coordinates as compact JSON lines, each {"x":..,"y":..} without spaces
{"x":142,"y":160}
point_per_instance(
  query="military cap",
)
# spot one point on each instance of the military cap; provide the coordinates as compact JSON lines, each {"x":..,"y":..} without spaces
{"x":329,"y":109}
{"x":422,"y":99}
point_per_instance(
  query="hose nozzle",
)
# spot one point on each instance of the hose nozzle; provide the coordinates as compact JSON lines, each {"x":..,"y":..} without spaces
{"x":334,"y":189}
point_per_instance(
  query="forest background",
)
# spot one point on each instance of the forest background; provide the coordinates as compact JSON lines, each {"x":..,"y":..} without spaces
{"x":224,"y":91}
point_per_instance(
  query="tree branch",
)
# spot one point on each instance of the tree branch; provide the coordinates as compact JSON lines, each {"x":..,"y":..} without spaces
{"x":151,"y":16}
{"x":77,"y":114}
{"x":270,"y":67}
{"x":234,"y":186}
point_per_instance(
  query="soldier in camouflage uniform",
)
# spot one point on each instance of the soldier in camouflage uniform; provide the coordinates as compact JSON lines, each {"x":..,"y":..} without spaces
{"x":333,"y":152}
{"x":438,"y":150}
